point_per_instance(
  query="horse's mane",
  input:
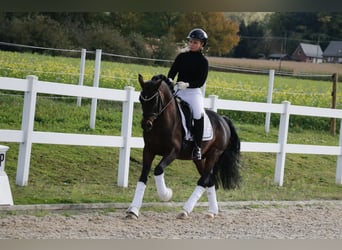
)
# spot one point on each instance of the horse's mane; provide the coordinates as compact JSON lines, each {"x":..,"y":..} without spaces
{"x":165,"y":79}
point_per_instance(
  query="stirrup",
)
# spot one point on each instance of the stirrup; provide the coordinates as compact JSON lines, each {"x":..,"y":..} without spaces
{"x":196,"y":153}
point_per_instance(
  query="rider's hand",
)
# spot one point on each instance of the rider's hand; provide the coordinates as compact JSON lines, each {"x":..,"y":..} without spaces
{"x":182,"y":85}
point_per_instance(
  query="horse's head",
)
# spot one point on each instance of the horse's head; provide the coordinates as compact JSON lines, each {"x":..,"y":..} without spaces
{"x":152,"y":100}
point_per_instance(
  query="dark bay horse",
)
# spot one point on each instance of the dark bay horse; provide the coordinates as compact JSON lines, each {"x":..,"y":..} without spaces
{"x":164,"y":136}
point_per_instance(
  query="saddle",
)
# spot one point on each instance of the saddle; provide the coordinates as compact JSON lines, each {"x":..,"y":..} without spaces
{"x":185,"y":112}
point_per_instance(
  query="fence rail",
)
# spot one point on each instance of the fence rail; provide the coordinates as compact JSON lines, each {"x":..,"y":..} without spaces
{"x":31,"y":86}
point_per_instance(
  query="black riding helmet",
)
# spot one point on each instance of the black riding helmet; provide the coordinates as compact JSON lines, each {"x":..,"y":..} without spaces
{"x":198,"y":34}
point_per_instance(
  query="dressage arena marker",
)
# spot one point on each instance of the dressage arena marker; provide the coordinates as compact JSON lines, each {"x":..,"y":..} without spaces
{"x":5,"y":189}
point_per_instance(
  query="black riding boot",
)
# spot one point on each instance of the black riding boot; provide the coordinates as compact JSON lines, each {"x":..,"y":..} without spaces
{"x":198,"y":134}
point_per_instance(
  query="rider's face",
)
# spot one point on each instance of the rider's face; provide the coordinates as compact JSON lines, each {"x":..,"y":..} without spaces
{"x":195,"y":45}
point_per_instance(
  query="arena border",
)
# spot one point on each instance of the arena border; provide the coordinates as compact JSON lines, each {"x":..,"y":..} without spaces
{"x":83,"y":207}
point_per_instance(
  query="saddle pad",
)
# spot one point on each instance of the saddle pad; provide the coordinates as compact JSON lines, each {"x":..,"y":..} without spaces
{"x":207,"y":129}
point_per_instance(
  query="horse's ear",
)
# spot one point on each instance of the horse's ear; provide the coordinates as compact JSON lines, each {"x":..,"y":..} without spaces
{"x":141,"y":80}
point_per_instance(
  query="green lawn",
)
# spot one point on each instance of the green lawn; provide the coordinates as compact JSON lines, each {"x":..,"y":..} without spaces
{"x":74,"y":174}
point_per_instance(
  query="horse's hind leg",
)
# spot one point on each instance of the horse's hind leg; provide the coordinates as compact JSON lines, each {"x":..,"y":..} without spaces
{"x":212,"y":201}
{"x":206,"y":182}
{"x":210,"y":182}
{"x":195,"y":196}
{"x":191,"y":202}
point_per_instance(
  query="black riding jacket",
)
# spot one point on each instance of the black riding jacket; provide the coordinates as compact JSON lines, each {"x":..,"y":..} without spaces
{"x":191,"y":67}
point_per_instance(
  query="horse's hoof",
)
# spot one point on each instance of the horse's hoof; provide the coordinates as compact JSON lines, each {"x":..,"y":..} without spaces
{"x":183,"y":215}
{"x":210,"y":216}
{"x":131,"y":216}
{"x":132,"y":213}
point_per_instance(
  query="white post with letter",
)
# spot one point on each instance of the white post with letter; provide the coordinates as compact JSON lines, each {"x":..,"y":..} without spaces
{"x":5,"y":189}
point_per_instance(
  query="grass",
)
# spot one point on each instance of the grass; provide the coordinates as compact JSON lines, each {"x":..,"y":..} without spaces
{"x":76,"y":174}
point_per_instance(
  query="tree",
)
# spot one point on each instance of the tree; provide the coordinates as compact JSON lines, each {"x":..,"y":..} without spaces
{"x":35,"y":30}
{"x":157,"y":24}
{"x":125,"y":22}
{"x":309,"y":27}
{"x":251,"y":43}
{"x":331,"y":24}
{"x":222,"y":32}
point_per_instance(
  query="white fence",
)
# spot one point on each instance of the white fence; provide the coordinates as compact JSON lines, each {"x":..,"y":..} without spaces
{"x":27,"y":136}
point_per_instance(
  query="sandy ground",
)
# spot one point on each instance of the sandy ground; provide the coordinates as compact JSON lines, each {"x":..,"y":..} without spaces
{"x":289,"y":220}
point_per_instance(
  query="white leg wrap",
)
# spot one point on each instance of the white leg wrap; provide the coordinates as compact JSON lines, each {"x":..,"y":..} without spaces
{"x":138,"y":198}
{"x":165,"y":193}
{"x":213,"y":207}
{"x":195,"y":196}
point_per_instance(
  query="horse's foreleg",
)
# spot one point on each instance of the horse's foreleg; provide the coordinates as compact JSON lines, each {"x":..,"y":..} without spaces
{"x":141,"y":186}
{"x":164,"y":193}
{"x":137,"y":200}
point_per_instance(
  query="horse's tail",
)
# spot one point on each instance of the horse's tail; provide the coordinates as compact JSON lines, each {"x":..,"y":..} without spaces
{"x":227,"y":168}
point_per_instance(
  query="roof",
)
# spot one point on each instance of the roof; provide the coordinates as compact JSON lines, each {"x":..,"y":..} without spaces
{"x":334,"y":49}
{"x":311,"y":50}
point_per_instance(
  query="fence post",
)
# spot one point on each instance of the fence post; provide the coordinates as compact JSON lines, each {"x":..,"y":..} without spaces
{"x":339,"y":159}
{"x":213,"y":102}
{"x":282,"y":140}
{"x":27,"y":124}
{"x":81,"y":79}
{"x":95,"y":85}
{"x":333,"y":103}
{"x":5,"y":188}
{"x":269,"y":99}
{"x":126,"y":133}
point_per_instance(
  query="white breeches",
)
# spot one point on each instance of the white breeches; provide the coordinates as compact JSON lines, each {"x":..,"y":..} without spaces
{"x":195,"y":99}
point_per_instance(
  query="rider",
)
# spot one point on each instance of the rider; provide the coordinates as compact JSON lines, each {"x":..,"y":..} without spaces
{"x":192,"y":69}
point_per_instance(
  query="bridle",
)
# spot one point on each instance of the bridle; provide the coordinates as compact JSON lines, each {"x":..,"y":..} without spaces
{"x":150,"y":117}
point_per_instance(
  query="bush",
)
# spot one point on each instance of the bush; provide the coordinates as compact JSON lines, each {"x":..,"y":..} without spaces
{"x":138,"y":45}
{"x":107,"y":39}
{"x":40,"y":31}
{"x":164,"y":48}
